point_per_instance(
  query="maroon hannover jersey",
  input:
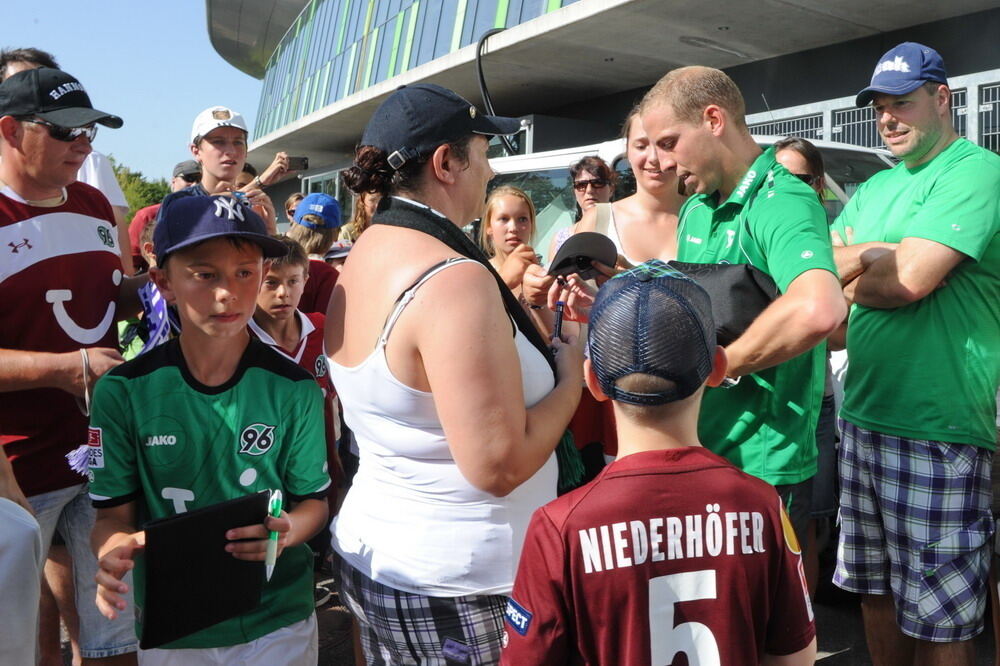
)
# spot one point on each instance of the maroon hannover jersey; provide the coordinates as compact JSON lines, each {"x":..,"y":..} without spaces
{"x":309,"y":355}
{"x":319,"y":287}
{"x":664,"y":553}
{"x":59,"y":283}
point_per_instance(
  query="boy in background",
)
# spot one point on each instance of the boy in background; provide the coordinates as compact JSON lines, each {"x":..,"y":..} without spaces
{"x":298,"y":336}
{"x":206,"y":417}
{"x":314,"y":227}
{"x":671,"y":549}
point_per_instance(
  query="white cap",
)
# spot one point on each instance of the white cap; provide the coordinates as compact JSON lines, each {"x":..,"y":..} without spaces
{"x":216,"y":116}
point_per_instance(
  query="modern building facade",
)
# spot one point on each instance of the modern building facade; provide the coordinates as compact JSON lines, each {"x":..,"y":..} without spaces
{"x":573,"y":68}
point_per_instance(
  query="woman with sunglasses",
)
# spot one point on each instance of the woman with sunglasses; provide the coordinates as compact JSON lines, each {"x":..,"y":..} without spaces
{"x":456,"y":401}
{"x":593,"y":182}
{"x":804,"y":160}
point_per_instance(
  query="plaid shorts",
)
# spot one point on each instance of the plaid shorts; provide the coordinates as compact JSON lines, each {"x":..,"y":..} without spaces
{"x":916,"y":523}
{"x":405,"y":628}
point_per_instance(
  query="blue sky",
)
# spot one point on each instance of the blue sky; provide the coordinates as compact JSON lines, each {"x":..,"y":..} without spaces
{"x":148,"y":61}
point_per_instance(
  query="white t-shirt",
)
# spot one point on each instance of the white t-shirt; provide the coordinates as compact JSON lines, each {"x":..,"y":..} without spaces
{"x":96,"y":171}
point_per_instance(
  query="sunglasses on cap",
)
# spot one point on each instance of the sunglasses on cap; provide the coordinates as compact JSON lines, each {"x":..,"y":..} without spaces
{"x":808,"y":179}
{"x":67,"y":134}
{"x":597,"y":183}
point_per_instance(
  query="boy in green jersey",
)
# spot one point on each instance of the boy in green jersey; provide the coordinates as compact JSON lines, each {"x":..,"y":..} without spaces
{"x":209,"y":416}
{"x":923,"y":272}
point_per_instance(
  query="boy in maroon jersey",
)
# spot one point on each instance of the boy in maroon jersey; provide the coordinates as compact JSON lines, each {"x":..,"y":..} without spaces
{"x":671,"y":549}
{"x":297,"y":335}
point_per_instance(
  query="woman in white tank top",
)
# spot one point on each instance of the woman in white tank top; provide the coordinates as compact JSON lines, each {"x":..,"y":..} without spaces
{"x":448,"y":388}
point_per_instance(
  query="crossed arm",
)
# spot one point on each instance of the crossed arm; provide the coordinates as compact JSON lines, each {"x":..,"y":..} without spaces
{"x":898,"y":275}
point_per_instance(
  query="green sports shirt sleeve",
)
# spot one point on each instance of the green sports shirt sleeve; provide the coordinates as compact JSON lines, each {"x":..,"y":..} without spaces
{"x":113,"y":472}
{"x":305,"y":464}
{"x":792,"y":232}
{"x":956,"y":213}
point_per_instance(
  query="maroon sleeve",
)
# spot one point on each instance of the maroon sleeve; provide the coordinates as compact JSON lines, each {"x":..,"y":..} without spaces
{"x":791,"y":626}
{"x":536,"y":621}
{"x":319,"y":287}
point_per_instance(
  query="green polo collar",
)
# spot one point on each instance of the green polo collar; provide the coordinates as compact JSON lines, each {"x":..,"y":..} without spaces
{"x":752,"y":179}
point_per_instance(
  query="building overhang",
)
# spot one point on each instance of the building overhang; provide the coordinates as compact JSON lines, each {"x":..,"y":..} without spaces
{"x":246,"y":32}
{"x":595,"y":48}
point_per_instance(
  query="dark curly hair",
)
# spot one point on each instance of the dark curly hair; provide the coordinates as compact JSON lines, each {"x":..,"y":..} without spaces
{"x":371,"y":171}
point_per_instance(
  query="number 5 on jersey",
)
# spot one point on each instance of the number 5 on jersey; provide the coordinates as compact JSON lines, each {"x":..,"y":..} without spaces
{"x":694,"y":639}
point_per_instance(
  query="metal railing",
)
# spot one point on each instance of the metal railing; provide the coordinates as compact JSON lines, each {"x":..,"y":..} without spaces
{"x":989,"y":117}
{"x":807,"y":127}
{"x":839,"y":120}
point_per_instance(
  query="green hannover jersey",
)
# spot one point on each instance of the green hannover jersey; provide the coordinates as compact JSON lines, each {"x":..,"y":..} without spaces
{"x":171,"y":444}
{"x":765,"y":425}
{"x":929,"y":370}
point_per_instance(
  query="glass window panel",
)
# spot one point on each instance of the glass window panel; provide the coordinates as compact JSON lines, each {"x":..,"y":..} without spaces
{"x":384,"y":52}
{"x":485,"y":12}
{"x":430,"y":13}
{"x":445,"y":27}
{"x":531,"y":9}
{"x":514,"y":13}
{"x":381,"y":13}
{"x":354,"y":21}
{"x":336,"y":80}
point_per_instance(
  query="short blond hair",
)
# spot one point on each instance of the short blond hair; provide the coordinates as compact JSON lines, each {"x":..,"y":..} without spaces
{"x":688,"y":90}
{"x":313,"y":241}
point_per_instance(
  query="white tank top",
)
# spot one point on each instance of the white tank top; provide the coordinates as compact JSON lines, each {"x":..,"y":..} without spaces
{"x":411,"y":520}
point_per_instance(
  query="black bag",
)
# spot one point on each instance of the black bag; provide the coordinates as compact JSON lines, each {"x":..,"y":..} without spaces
{"x":739,"y":293}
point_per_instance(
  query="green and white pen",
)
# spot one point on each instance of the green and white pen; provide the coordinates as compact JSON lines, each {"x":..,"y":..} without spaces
{"x":273,"y":510}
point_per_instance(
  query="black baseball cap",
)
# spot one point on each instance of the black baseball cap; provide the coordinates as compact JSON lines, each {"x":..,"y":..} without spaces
{"x":416,"y":119}
{"x":52,"y":95}
{"x":575,"y":255}
{"x":187,"y":169}
{"x":652,"y":320}
{"x":187,"y":221}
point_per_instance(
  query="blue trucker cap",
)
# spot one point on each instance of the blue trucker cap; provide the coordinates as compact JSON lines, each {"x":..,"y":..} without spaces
{"x":416,"y":119}
{"x":321,"y":205}
{"x":191,"y":220}
{"x":903,"y":69}
{"x":653,"y":320}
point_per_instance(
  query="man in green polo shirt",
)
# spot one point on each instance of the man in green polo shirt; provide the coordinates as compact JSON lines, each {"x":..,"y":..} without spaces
{"x":923,"y":271}
{"x":745,"y":208}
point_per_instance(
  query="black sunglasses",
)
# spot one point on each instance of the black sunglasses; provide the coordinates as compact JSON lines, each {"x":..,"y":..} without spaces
{"x":809,"y":180}
{"x":67,"y":134}
{"x":597,"y":183}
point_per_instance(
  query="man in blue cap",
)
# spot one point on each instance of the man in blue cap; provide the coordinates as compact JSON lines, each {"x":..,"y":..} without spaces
{"x":923,"y":266}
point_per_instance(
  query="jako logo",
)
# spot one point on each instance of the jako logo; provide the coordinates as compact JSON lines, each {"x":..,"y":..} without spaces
{"x":747,"y":179}
{"x":256,"y":439}
{"x":897,"y":64}
{"x":161,"y":440}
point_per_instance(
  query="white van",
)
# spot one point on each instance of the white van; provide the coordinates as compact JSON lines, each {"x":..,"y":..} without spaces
{"x":545,"y":177}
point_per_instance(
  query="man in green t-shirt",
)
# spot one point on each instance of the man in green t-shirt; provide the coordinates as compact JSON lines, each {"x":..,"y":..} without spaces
{"x":207,"y":417}
{"x":923,"y":272}
{"x":745,"y":208}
